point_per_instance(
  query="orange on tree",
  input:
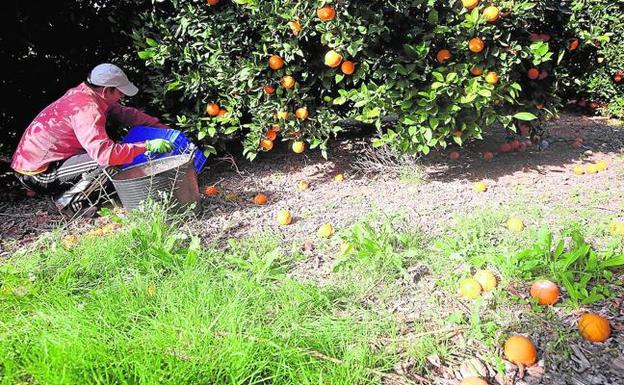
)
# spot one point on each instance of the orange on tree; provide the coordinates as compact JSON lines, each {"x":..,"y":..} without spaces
{"x":284,"y":218}
{"x":545,"y":292}
{"x":213,"y":2}
{"x":288,"y":82}
{"x":520,"y":350}
{"x":470,"y":4}
{"x":473,"y":381}
{"x":260,"y":199}
{"x":222,"y":112}
{"x":298,"y":147}
{"x":470,"y":288}
{"x":283,"y":115}
{"x":295,"y":27}
{"x":268,"y":89}
{"x":213,"y":109}
{"x":326,"y":13}
{"x":347,"y":67}
{"x":443,"y":56}
{"x":491,"y":14}
{"x":476,"y":45}
{"x":533,"y":73}
{"x":594,"y":327}
{"x":271,"y":134}
{"x":486,"y":279}
{"x":491,"y":77}
{"x":302,"y":113}
{"x":333,"y":59}
{"x":476,"y":70}
{"x":276,"y":62}
{"x":266,"y":144}
{"x":573,"y":44}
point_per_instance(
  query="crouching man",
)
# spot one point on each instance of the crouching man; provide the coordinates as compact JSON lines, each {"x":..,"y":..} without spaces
{"x":65,"y":148}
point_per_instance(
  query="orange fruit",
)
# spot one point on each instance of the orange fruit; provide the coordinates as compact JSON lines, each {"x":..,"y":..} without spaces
{"x":594,"y":327}
{"x":302,"y":113}
{"x":486,"y":279}
{"x":303,"y":185}
{"x":295,"y":27}
{"x":288,"y":82}
{"x":545,"y":292}
{"x":533,"y":73}
{"x":326,"y":13}
{"x":480,"y":186}
{"x":222,"y":112}
{"x":491,"y":77}
{"x":470,"y":4}
{"x":491,"y":14}
{"x":211,"y":191}
{"x":488,"y":155}
{"x":520,"y":350}
{"x":573,"y":44}
{"x":333,"y":59}
{"x":260,"y":199}
{"x":339,"y":178}
{"x":476,"y":70}
{"x":213,"y":109}
{"x":469,"y":288}
{"x":266,"y":144}
{"x":276,"y":62}
{"x":579,"y":170}
{"x":284,"y":218}
{"x":283,"y":115}
{"x":213,"y":2}
{"x":298,"y":147}
{"x":515,"y":224}
{"x":271,"y":135}
{"x":476,"y":45}
{"x":454,"y":155}
{"x":325,"y":231}
{"x":505,"y":147}
{"x":443,"y":56}
{"x":473,"y":381}
{"x":347,"y":67}
{"x":269,"y":89}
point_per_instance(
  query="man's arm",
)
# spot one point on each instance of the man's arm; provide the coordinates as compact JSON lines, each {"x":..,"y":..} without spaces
{"x":90,"y":129}
{"x":129,"y":116}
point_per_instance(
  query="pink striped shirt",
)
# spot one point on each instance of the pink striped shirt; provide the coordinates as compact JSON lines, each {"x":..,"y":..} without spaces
{"x":75,"y":124}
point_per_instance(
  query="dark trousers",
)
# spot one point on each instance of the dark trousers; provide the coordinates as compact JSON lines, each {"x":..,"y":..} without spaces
{"x":76,"y":182}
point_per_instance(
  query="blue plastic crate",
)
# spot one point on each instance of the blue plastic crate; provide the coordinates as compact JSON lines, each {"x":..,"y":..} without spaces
{"x":180,"y":142}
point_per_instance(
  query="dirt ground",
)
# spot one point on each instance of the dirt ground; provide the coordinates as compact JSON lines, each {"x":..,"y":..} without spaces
{"x":427,"y":191}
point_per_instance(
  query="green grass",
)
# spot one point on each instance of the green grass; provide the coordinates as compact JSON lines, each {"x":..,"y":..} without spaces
{"x":147,"y":306}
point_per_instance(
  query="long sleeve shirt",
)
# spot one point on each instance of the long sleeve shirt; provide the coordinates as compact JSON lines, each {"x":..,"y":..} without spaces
{"x":76,"y":124}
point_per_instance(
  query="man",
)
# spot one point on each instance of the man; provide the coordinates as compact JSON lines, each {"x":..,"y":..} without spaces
{"x":66,"y":147}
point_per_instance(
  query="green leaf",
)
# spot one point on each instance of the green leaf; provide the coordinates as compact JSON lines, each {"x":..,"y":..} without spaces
{"x":525,"y":116}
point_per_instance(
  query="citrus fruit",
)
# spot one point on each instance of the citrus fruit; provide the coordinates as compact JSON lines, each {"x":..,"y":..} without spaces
{"x":520,"y":350}
{"x":303,"y":185}
{"x":288,"y":82}
{"x":266,"y":144}
{"x":268,"y":89}
{"x":476,"y":70}
{"x":443,"y":56}
{"x":533,"y":73}
{"x":454,"y":155}
{"x":592,"y":168}
{"x":470,"y":4}
{"x":491,"y":14}
{"x":213,"y":109}
{"x":616,"y":228}
{"x":515,"y":224}
{"x":579,"y":170}
{"x":488,"y":155}
{"x":283,"y":115}
{"x":302,"y":113}
{"x":602,"y":165}
{"x":505,"y":147}
{"x":545,"y":292}
{"x":469,"y":288}
{"x":295,"y":27}
{"x":284,"y":218}
{"x":325,"y":231}
{"x":486,"y":279}
{"x":260,"y":199}
{"x":476,"y":45}
{"x":491,"y":78}
{"x":339,"y":178}
{"x":347,"y":67}
{"x":271,"y":135}
{"x":326,"y":13}
{"x":213,"y":2}
{"x":276,"y":62}
{"x":473,"y":381}
{"x":333,"y":59}
{"x":573,"y":44}
{"x":211,"y":191}
{"x":480,"y":186}
{"x":594,"y":327}
{"x":298,"y":147}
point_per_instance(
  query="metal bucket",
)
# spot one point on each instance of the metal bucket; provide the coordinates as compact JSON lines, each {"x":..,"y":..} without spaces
{"x":173,"y":177}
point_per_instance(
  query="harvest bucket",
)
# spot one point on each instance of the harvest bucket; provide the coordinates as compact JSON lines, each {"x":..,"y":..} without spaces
{"x":173,"y":177}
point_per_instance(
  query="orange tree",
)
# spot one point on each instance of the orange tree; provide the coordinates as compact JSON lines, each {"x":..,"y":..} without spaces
{"x":425,"y":73}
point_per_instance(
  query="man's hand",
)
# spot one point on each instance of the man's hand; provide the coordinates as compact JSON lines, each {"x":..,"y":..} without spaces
{"x":158,"y":146}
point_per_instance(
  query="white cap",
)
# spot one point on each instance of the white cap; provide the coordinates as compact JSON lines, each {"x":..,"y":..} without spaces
{"x":109,"y":75}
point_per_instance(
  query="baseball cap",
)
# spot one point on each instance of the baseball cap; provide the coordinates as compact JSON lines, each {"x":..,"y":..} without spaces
{"x":109,"y":75}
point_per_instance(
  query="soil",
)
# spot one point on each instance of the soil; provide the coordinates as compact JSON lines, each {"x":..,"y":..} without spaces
{"x":427,"y":191}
